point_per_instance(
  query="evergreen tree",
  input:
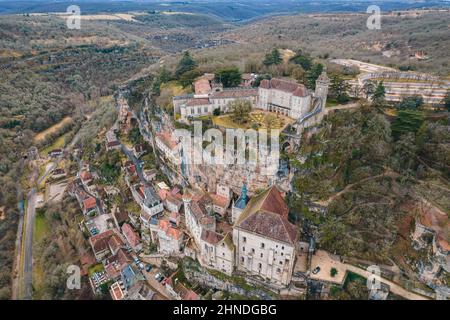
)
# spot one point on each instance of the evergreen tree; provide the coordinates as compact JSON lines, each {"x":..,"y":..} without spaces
{"x":187,"y":63}
{"x":410,"y":103}
{"x":313,"y":74}
{"x":272,"y":58}
{"x":229,"y":77}
{"x":378,"y":97}
{"x":339,"y":88}
{"x":164,"y":75}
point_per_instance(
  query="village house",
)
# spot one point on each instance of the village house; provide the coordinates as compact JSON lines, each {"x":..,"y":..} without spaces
{"x":120,"y":216}
{"x":132,"y":237}
{"x":115,"y":263}
{"x":167,"y":145}
{"x":111,"y":141}
{"x":217,"y":251}
{"x":199,"y":216}
{"x":89,"y":206}
{"x":178,"y":291}
{"x":106,"y":243}
{"x":130,"y":275}
{"x":140,"y":291}
{"x":221,"y":199}
{"x":172,"y":199}
{"x":264,"y":239}
{"x":148,"y":199}
{"x":150,"y":175}
{"x":55,"y":153}
{"x":139,"y":150}
{"x":117,"y":291}
{"x":168,"y":238}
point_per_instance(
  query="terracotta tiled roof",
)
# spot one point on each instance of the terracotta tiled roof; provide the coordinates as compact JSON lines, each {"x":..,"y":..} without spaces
{"x":132,"y":237}
{"x":234,"y":93}
{"x":211,"y":237}
{"x":180,"y":289}
{"x":89,"y":203}
{"x":270,"y":225}
{"x":170,"y":231}
{"x":198,"y":102}
{"x":114,"y":264}
{"x":85,"y":175}
{"x":202,"y":86}
{"x":284,"y":85}
{"x":115,"y":242}
{"x":99,"y":242}
{"x":266,"y":214}
{"x":218,"y":200}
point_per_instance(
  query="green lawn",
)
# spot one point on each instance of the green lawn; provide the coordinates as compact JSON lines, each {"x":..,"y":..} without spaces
{"x":41,"y":227}
{"x":57,"y":144}
{"x":95,"y":268}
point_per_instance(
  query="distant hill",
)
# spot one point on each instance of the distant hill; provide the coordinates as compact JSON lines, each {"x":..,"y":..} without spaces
{"x":234,"y":10}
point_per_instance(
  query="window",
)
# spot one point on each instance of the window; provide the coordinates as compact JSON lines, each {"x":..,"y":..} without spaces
{"x":262,"y":245}
{"x":282,"y":248}
{"x":282,"y":253}
{"x":262,"y":255}
{"x":244,"y":239}
{"x":278,"y":270}
{"x":243,"y":248}
{"x":281,"y":262}
{"x":253,"y":250}
{"x":242,"y":260}
{"x":259,"y":266}
{"x":205,"y":109}
{"x":223,"y":254}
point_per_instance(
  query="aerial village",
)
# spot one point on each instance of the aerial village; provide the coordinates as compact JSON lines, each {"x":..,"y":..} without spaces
{"x":191,"y":232}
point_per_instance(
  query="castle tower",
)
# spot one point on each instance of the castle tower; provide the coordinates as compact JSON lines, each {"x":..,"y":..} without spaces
{"x":322,"y":84}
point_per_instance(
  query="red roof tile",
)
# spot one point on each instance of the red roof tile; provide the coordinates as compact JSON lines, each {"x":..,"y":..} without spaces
{"x":132,"y":237}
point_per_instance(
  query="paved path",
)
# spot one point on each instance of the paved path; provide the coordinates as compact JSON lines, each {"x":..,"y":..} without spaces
{"x":327,"y":261}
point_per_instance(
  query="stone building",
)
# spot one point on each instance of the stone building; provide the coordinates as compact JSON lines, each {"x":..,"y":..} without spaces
{"x":264,"y":239}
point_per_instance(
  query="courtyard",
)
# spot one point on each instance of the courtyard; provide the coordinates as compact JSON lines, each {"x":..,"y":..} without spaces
{"x":257,"y":119}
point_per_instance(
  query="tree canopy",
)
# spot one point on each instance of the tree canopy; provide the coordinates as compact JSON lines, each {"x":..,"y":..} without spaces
{"x":229,"y":77}
{"x":272,"y":58}
{"x":187,"y":63}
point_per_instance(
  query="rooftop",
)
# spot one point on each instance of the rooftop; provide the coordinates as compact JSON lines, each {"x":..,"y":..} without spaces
{"x":267,"y":214}
{"x":289,"y":86}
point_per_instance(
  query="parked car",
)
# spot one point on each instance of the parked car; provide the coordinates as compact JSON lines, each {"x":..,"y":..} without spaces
{"x":148,"y":268}
{"x":141,"y":266}
{"x":157,"y":276}
{"x":316,"y":270}
{"x":161,"y":279}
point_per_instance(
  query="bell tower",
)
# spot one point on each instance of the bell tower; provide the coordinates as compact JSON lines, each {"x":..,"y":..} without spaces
{"x":322,"y":84}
